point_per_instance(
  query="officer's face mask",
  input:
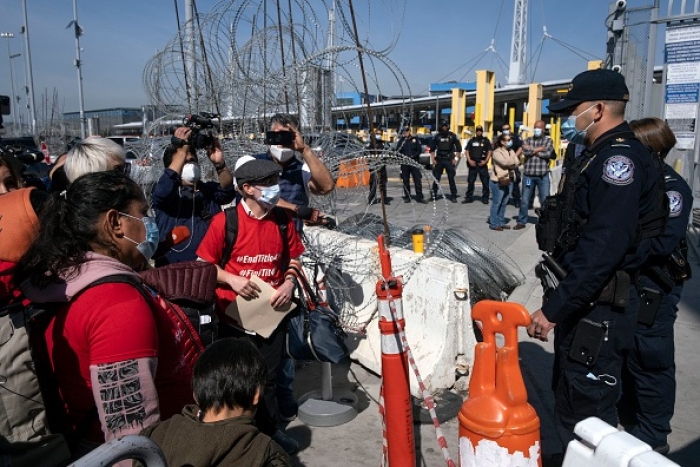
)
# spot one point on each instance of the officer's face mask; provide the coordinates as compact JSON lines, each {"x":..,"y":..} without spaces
{"x":147,"y":247}
{"x":569,"y":131}
{"x":269,"y":195}
{"x":537,"y":132}
{"x":191,"y":173}
{"x":506,"y":132}
{"x":281,"y":153}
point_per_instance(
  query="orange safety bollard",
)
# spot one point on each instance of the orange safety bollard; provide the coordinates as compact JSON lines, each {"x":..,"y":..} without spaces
{"x":396,"y":390}
{"x":496,"y":424}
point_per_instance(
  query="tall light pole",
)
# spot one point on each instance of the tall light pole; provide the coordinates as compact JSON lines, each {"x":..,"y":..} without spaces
{"x":78,"y":32}
{"x":28,"y":63}
{"x":8,"y":36}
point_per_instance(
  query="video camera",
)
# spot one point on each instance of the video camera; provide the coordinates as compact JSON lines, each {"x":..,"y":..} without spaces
{"x":203,"y":129}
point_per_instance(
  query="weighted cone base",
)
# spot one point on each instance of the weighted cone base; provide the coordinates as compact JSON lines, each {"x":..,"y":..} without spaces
{"x":339,"y":409}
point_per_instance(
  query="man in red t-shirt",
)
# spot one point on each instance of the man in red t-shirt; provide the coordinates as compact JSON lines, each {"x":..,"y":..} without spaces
{"x":259,"y":251}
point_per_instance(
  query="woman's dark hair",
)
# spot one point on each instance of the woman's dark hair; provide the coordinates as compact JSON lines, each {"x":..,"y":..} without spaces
{"x":228,"y":374}
{"x":500,"y":140}
{"x":654,"y":133}
{"x":69,"y":226}
{"x":14,"y":166}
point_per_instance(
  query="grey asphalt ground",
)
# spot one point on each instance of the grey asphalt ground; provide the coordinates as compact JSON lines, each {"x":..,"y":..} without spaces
{"x":359,"y":442}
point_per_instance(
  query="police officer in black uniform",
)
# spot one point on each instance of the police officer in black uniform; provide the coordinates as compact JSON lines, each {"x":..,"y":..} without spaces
{"x":478,"y":155}
{"x":410,"y":147}
{"x":445,"y":150}
{"x":649,"y":379}
{"x":609,"y":202}
{"x":375,"y":145}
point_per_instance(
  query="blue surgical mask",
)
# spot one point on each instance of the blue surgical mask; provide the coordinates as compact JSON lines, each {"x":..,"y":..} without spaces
{"x":270,"y":195}
{"x":147,"y":247}
{"x":509,"y":143}
{"x":569,"y":131}
{"x":537,"y":132}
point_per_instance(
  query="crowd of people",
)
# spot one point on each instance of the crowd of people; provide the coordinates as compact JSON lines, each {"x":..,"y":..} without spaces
{"x":121,"y":364}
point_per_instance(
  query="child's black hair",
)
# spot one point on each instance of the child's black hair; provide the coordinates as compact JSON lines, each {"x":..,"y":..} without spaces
{"x":228,"y":374}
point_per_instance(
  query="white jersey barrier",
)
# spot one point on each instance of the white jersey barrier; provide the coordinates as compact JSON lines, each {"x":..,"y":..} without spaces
{"x":435,"y":305}
{"x":602,"y":445}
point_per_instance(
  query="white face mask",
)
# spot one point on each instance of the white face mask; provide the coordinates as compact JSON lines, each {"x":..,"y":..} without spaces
{"x":191,"y":173}
{"x":506,"y":132}
{"x":537,"y":132}
{"x":281,"y":154}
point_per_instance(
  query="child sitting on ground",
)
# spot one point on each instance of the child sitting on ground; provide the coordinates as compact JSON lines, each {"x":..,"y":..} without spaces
{"x":228,"y":380}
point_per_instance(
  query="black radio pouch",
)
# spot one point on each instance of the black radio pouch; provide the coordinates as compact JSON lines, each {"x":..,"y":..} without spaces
{"x":588,"y":339}
{"x":649,"y":302}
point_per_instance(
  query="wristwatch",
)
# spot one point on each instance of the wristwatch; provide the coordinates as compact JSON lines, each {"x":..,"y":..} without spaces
{"x":292,"y":279}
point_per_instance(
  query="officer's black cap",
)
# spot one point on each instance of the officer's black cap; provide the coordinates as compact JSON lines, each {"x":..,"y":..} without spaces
{"x":404,"y":130}
{"x":255,"y":171}
{"x":593,"y":85}
{"x":444,"y":123}
{"x":479,"y":128}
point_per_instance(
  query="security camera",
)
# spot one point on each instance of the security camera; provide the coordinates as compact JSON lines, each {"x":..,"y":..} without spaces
{"x":620,"y":5}
{"x":617,"y":68}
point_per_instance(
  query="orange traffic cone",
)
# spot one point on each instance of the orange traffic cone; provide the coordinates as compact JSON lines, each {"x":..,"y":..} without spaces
{"x":396,"y":392}
{"x":496,"y":424}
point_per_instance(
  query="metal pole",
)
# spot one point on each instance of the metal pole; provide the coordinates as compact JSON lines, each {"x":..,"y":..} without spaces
{"x":8,"y":36}
{"x":30,"y":80}
{"x":14,"y":95}
{"x":649,"y":82}
{"x":78,"y":33}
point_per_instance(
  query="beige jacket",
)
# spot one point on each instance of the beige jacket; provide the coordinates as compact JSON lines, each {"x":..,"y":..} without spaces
{"x":504,"y":160}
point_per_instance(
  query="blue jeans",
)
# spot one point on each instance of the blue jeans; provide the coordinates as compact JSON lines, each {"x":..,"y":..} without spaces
{"x":529,"y":184}
{"x":501,"y":195}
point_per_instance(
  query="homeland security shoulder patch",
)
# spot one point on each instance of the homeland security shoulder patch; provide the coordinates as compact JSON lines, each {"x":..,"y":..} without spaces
{"x":675,"y":203}
{"x":618,"y":170}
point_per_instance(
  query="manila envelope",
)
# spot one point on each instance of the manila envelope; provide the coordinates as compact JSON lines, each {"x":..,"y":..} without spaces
{"x":257,"y":314}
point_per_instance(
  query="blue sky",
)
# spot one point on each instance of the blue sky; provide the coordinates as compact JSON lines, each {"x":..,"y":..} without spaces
{"x":435,"y":44}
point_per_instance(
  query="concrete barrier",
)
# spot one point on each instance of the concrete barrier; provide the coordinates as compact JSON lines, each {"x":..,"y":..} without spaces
{"x":435,"y":304}
{"x":603,"y":445}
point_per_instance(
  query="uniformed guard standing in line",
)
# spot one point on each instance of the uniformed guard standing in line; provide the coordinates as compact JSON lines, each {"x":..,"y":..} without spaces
{"x":649,"y":379}
{"x":410,"y":147}
{"x":609,"y":201}
{"x":375,"y":145}
{"x":445,"y":150}
{"x":478,"y":153}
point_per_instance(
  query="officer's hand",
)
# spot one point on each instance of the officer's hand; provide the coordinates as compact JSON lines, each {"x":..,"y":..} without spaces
{"x":471,"y":163}
{"x":540,"y":326}
{"x":482,"y":163}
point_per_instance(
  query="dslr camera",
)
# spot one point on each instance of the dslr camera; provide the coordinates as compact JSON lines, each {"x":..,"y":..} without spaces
{"x":203,"y":129}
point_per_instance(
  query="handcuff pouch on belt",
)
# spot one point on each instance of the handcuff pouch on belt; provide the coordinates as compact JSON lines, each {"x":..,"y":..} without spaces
{"x":617,"y":291}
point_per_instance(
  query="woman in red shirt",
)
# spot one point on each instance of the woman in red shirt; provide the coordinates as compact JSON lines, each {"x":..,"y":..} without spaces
{"x":118,"y":366}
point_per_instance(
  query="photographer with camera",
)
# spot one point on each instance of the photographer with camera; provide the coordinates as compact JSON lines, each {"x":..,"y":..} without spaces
{"x":299,"y":177}
{"x":180,"y":198}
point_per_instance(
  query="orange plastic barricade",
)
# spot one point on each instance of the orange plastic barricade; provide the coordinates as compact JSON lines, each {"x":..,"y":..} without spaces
{"x":396,"y":392}
{"x":496,"y":424}
{"x":352,"y":172}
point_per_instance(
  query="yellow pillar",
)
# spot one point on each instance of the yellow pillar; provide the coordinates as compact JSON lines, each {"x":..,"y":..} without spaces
{"x":485,"y":89}
{"x":458,"y":108}
{"x":511,"y":119}
{"x":534,"y":105}
{"x":595,"y":64}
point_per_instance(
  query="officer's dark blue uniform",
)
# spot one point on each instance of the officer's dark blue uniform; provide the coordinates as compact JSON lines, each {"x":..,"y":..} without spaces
{"x":445,"y":144}
{"x":478,"y":149}
{"x":617,"y":186}
{"x":650,"y":383}
{"x":410,"y":147}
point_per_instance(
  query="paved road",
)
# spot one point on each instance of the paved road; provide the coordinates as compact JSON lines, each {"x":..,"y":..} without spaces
{"x":359,"y":442}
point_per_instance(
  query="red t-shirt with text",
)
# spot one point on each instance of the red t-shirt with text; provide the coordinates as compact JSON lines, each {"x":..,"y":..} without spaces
{"x":258,"y":250}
